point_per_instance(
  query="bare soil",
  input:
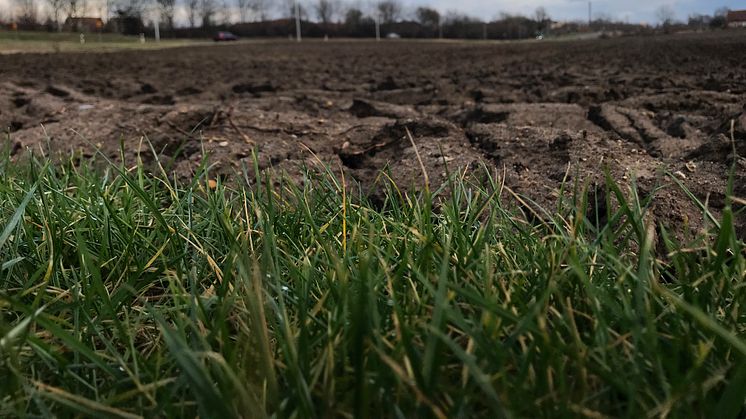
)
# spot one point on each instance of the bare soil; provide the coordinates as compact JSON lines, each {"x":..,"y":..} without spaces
{"x":539,"y":113}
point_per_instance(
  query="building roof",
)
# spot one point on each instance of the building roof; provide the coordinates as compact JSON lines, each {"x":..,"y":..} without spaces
{"x":84,"y":23}
{"x":83,"y":19}
{"x":737,"y":16}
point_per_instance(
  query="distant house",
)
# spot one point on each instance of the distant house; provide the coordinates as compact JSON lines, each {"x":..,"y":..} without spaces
{"x":83,"y":24}
{"x":736,"y":19}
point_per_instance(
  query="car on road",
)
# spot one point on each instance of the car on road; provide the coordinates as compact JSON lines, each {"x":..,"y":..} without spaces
{"x":224,"y":36}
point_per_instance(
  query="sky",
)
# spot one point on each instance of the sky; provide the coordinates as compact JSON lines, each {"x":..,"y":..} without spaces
{"x":640,"y":11}
{"x":632,"y":10}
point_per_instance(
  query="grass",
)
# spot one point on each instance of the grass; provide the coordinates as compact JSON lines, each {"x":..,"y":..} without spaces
{"x":126,"y":293}
{"x":28,"y":41}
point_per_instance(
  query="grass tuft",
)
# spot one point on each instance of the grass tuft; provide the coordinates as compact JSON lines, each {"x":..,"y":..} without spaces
{"x":126,"y":294}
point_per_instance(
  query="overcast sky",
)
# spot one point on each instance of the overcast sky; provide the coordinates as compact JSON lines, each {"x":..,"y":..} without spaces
{"x":632,"y":10}
{"x":635,"y":10}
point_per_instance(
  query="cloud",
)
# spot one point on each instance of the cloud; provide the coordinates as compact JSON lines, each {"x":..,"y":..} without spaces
{"x":636,"y":10}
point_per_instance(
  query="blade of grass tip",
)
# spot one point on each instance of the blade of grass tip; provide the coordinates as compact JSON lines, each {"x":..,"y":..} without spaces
{"x":359,"y":330}
{"x":702,"y":206}
{"x":477,"y":374}
{"x":136,"y":186}
{"x":19,"y":329}
{"x":344,"y":211}
{"x":626,"y":206}
{"x":419,"y":160}
{"x":211,"y":403}
{"x":703,"y":319}
{"x":44,"y":409}
{"x":140,"y":390}
{"x":17,"y":216}
{"x":526,"y":206}
{"x":81,"y":404}
{"x":258,"y":320}
{"x":731,"y":403}
{"x":164,"y":176}
{"x":74,"y":344}
{"x":402,"y":375}
{"x":441,"y":304}
{"x":733,"y":137}
{"x":91,"y":265}
{"x":724,"y":244}
{"x":327,"y":168}
{"x":449,"y":178}
{"x":9,"y":264}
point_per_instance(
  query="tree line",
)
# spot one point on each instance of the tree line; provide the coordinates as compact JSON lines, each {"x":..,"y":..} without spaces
{"x":348,"y":18}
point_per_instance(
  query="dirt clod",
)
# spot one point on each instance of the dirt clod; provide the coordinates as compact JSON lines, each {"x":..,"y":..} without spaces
{"x":539,"y":114}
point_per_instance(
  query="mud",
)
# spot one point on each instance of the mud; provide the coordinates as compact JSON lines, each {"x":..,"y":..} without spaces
{"x":540,"y":114}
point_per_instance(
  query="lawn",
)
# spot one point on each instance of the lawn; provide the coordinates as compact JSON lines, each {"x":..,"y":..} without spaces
{"x":128,"y":293}
{"x":14,"y":42}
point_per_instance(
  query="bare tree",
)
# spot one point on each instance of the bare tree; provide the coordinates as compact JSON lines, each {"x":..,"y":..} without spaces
{"x":353,"y":17}
{"x":722,"y":11}
{"x":104,"y":9}
{"x":56,"y":6}
{"x":541,"y":14}
{"x":428,"y":17}
{"x":389,"y":10}
{"x":665,"y":14}
{"x":325,"y":10}
{"x":259,"y":9}
{"x":719,"y":19}
{"x":207,"y":12}
{"x":167,"y":9}
{"x":602,"y":18}
{"x":71,"y":7}
{"x":192,"y":7}
{"x":243,"y":10}
{"x":26,"y":12}
{"x":287,"y":9}
{"x":541,"y":17}
{"x":130,"y":8}
{"x":223,"y":12}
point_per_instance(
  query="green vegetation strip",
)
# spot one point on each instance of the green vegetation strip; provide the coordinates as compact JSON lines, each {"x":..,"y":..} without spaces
{"x":125,"y":294}
{"x":53,"y":42}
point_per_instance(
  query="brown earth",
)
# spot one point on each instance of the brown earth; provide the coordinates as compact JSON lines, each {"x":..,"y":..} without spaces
{"x":540,"y":113}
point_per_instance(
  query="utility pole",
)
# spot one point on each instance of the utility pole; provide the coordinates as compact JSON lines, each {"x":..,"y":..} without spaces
{"x":484,"y":31}
{"x":378,"y":26}
{"x":590,"y":13}
{"x":297,"y":21}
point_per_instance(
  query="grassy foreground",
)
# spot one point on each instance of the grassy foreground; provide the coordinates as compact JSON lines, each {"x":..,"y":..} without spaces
{"x":126,"y":294}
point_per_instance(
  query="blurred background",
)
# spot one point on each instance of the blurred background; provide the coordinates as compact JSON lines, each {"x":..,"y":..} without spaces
{"x":474,"y":19}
